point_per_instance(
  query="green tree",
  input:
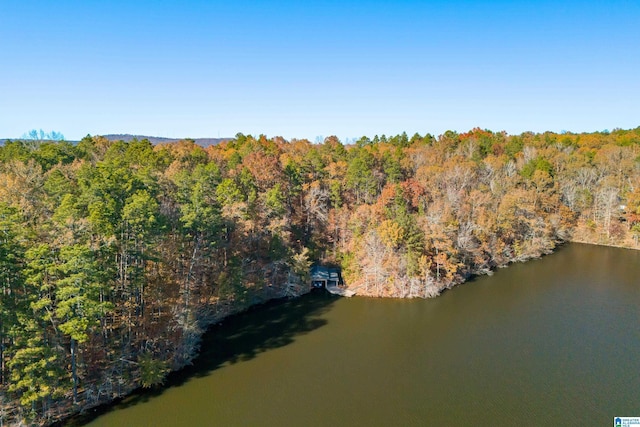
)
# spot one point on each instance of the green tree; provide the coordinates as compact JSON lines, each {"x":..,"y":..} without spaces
{"x":36,"y":366}
{"x":537,"y":164}
{"x":360,"y":178}
{"x":80,"y":303}
{"x":275,"y":201}
{"x":50,"y":154}
{"x":152,"y":370}
{"x":11,"y":280}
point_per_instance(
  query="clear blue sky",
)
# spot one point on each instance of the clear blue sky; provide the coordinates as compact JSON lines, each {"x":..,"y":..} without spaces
{"x":289,"y":68}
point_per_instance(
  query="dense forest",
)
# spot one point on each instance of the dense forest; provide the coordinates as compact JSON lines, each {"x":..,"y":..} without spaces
{"x":114,"y":256}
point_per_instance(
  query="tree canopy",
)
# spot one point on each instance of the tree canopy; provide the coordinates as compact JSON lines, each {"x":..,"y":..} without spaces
{"x":114,"y":256}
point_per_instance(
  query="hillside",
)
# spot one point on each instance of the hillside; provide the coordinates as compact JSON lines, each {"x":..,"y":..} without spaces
{"x":115,"y":255}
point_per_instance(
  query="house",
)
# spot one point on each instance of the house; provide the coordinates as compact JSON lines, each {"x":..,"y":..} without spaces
{"x":322,"y":277}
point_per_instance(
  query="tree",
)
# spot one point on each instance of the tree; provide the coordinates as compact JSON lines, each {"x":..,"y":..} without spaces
{"x":152,"y":371}
{"x":80,"y":305}
{"x":360,"y":178}
{"x":11,"y":280}
{"x":36,"y":366}
{"x":140,"y":222}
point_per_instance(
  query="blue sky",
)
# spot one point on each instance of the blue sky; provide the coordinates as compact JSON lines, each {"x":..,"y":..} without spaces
{"x":345,"y":68}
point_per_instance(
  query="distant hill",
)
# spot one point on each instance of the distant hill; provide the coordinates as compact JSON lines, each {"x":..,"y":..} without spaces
{"x":203,"y":142}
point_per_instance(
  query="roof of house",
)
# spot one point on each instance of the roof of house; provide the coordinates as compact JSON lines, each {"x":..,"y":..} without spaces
{"x":319,"y":272}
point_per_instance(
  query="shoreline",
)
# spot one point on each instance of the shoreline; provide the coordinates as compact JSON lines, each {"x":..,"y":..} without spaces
{"x":88,"y":414}
{"x":611,"y":245}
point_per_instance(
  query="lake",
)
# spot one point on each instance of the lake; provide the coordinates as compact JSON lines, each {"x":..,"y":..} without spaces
{"x":554,"y":341}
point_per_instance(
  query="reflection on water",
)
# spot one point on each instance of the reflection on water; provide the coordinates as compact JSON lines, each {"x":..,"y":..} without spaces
{"x":552,"y":341}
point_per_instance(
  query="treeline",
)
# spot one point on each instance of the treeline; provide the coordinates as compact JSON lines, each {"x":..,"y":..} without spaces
{"x":115,"y":255}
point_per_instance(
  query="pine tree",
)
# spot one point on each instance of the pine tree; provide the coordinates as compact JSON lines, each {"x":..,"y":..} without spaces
{"x":79,"y":303}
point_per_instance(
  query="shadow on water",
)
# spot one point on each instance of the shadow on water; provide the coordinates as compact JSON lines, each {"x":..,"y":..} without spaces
{"x":237,"y":338}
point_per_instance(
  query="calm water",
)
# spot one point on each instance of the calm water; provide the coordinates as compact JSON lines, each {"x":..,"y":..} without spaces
{"x":550,"y":342}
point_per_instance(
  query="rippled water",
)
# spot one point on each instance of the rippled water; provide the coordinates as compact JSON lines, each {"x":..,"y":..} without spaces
{"x":551,"y":342}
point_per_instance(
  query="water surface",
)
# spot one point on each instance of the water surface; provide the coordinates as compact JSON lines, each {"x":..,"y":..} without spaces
{"x":550,"y":342}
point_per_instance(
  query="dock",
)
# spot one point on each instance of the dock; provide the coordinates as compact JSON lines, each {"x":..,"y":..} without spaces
{"x":334,"y":289}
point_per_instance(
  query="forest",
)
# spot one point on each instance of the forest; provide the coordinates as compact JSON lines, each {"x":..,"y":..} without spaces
{"x":115,"y":256}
